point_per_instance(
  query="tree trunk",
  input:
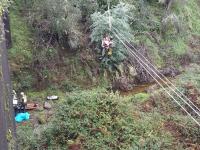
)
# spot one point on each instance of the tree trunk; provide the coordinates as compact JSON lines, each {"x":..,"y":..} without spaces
{"x":6,"y":22}
{"x":7,"y":124}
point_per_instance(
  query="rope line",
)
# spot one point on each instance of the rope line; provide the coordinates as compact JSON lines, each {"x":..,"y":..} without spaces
{"x":149,"y":70}
{"x":142,"y":64}
{"x":166,"y":82}
{"x":109,"y":15}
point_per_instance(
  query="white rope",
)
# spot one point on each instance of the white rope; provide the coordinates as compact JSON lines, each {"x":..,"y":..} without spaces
{"x":198,"y":113}
{"x":142,"y":64}
{"x":166,"y":82}
{"x":109,"y":15}
{"x":135,"y":56}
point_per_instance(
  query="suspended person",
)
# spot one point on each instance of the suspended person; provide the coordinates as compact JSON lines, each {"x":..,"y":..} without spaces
{"x":106,"y":47}
{"x":23,"y":101}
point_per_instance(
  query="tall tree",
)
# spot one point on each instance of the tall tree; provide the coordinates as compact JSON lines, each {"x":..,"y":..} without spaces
{"x":120,"y":24}
{"x":7,"y":125}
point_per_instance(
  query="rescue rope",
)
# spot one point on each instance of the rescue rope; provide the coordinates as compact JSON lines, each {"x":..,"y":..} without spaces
{"x":174,"y":89}
{"x":154,"y":72}
{"x":146,"y":68}
{"x":109,"y":15}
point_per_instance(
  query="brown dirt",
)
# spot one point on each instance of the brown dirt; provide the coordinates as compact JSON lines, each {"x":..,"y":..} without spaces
{"x":175,"y":130}
{"x":193,"y":94}
{"x":75,"y":147}
{"x":148,"y":105}
{"x":194,"y":43}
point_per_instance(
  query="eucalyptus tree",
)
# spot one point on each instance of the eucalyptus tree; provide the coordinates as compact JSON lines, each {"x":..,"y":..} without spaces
{"x":58,"y":19}
{"x":119,"y":21}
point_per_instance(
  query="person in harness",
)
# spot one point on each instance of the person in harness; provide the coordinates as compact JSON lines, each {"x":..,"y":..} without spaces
{"x":23,"y":101}
{"x":106,"y":47}
{"x":19,"y":106}
{"x":15,"y":102}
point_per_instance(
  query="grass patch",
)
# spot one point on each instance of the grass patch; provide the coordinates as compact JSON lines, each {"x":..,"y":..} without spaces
{"x":192,"y":15}
{"x":21,"y":52}
{"x":140,"y":97}
{"x":179,"y":46}
{"x":20,"y":55}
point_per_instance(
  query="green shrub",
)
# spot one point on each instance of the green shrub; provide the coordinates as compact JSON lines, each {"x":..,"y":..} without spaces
{"x":140,"y":97}
{"x":191,"y":75}
{"x":3,"y":5}
{"x":120,"y":21}
{"x":190,"y":16}
{"x":23,"y":81}
{"x":187,"y":128}
{"x":68,"y":86}
{"x":57,"y":21}
{"x":26,"y":139}
{"x":21,"y":52}
{"x":99,"y":120}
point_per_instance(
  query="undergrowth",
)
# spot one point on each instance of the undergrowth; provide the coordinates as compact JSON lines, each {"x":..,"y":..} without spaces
{"x":21,"y":52}
{"x":96,"y":119}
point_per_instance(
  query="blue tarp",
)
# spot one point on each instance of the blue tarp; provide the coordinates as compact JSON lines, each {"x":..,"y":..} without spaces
{"x":22,"y":117}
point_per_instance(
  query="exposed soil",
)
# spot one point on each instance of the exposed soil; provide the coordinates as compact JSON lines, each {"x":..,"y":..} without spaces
{"x":176,"y":130}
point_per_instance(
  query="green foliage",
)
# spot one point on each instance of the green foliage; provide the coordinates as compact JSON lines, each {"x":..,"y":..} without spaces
{"x":87,"y":7}
{"x":45,"y":56}
{"x":180,"y":47}
{"x":170,"y":26}
{"x":23,"y":81}
{"x":26,"y":139}
{"x":23,"y":5}
{"x":191,"y":75}
{"x":145,"y":17}
{"x":103,"y":4}
{"x":178,"y":25}
{"x":187,"y":129}
{"x":4,"y":5}
{"x":21,"y":52}
{"x":20,"y":55}
{"x":140,"y":97}
{"x":96,"y":119}
{"x":119,"y":21}
{"x":154,"y":50}
{"x":68,"y":86}
{"x":191,"y":16}
{"x":58,"y":17}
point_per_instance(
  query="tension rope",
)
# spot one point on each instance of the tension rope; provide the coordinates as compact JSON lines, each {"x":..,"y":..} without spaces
{"x":155,"y":73}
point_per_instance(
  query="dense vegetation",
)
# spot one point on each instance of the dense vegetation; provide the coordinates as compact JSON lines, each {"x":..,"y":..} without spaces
{"x":56,"y":45}
{"x":3,"y":5}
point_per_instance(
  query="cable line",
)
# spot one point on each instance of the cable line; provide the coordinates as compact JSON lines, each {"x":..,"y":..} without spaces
{"x":109,"y":15}
{"x":142,"y":64}
{"x":161,"y":73}
{"x":166,"y":82}
{"x":150,"y":70}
